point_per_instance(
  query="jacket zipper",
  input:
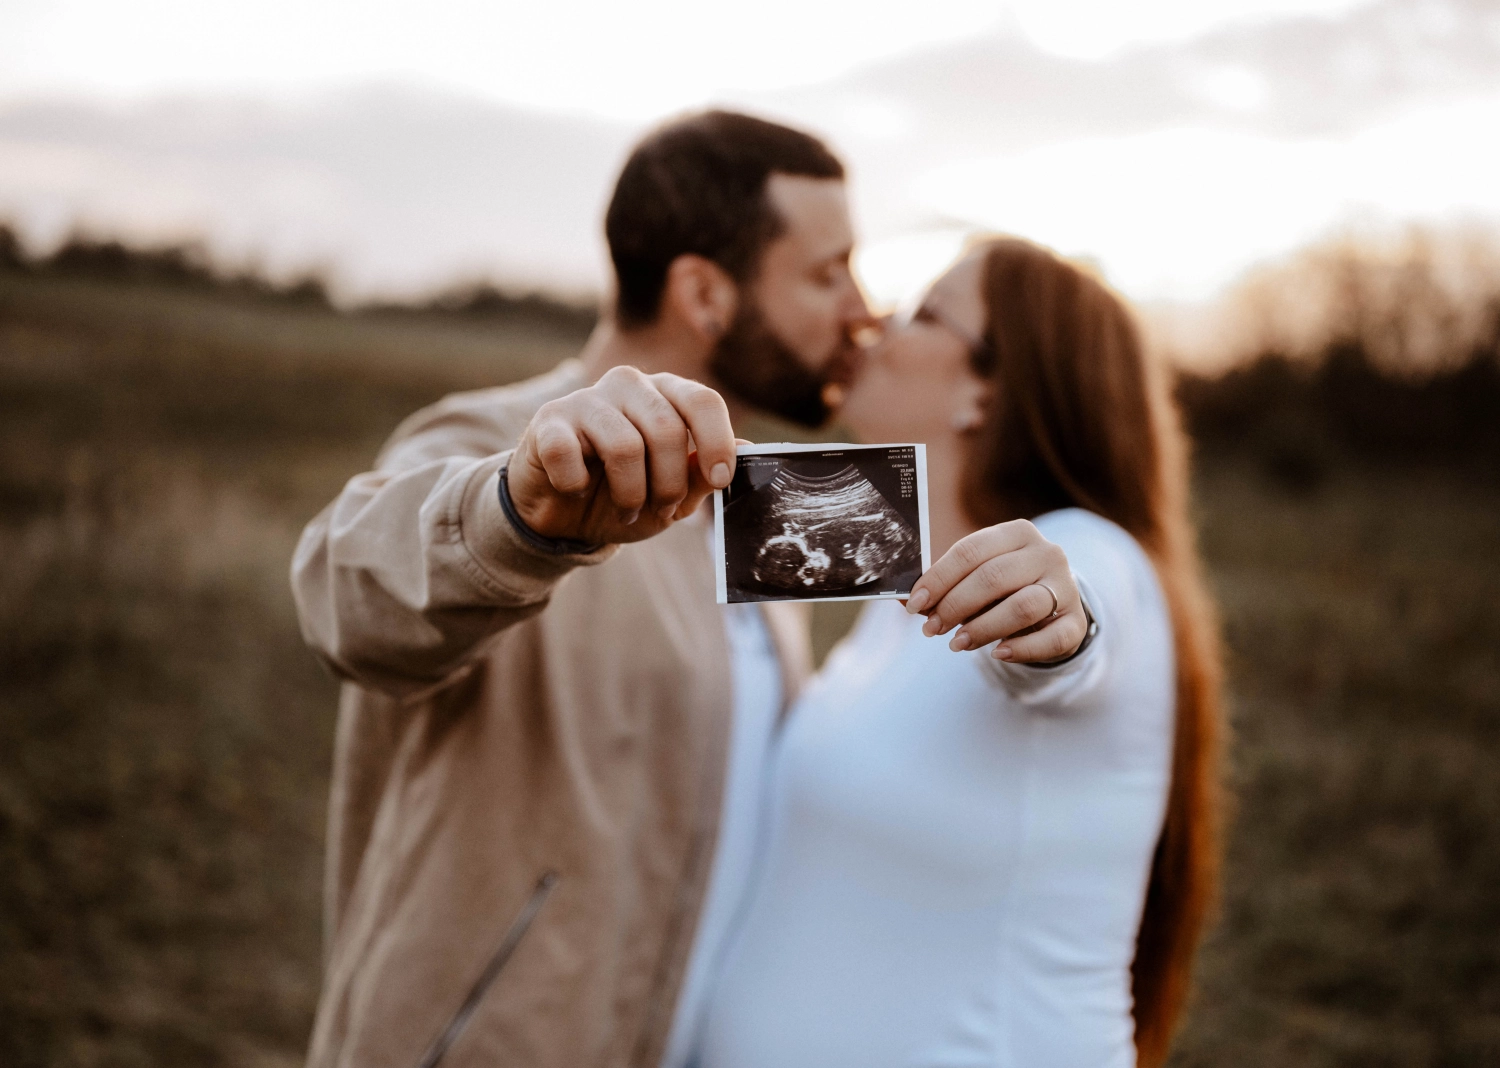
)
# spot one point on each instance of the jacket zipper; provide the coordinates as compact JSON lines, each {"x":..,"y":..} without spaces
{"x":440,"y":1046}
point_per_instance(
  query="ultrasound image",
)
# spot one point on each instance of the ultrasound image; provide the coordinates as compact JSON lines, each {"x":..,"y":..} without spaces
{"x":814,"y":525}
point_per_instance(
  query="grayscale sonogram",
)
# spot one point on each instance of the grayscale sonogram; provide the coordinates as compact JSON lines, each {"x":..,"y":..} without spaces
{"x":822,"y":522}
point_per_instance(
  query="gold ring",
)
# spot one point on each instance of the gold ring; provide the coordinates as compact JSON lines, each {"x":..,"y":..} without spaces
{"x":1050,"y":590}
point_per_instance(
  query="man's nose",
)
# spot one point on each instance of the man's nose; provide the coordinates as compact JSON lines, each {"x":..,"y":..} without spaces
{"x":857,"y":312}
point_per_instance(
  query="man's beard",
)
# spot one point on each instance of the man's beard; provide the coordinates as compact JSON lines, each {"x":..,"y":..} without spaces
{"x":758,"y":368}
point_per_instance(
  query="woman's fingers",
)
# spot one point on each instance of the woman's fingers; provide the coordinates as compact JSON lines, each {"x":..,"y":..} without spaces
{"x":963,"y":558}
{"x":1025,"y":608}
{"x":994,"y":580}
{"x":1057,"y":639}
{"x":1005,"y":584}
{"x":1000,"y":576}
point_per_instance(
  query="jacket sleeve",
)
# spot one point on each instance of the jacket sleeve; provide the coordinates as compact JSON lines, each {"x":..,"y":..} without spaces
{"x":1119,"y":585}
{"x":405,"y":576}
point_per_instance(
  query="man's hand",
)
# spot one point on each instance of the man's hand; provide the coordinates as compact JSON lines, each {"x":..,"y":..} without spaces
{"x":622,"y":459}
{"x":1004,"y":582}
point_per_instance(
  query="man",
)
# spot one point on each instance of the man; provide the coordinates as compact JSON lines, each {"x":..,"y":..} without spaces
{"x":551,"y":740}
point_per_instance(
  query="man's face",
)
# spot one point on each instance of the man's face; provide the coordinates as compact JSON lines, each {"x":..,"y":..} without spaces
{"x":793,"y":335}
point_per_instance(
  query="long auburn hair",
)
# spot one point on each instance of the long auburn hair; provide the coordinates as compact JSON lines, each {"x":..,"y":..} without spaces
{"x":1081,"y":418}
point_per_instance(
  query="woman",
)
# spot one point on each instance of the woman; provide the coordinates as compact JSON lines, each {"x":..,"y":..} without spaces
{"x":1002,"y":857}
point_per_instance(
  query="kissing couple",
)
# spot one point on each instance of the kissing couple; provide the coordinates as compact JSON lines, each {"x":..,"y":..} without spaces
{"x":582,"y":815}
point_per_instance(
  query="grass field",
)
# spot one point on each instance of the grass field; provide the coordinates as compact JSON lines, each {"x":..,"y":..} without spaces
{"x":165,"y":737}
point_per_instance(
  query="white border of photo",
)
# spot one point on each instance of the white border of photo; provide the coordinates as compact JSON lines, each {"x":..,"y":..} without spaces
{"x":776,"y":448}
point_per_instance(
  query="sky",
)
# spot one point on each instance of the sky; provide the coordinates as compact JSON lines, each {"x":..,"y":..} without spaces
{"x":564,"y":54}
{"x":399,"y":146}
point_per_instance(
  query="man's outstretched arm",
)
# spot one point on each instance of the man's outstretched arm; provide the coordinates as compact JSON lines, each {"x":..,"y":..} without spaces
{"x":415,"y":565}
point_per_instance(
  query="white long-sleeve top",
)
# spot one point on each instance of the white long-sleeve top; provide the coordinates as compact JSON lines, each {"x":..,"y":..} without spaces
{"x":958,"y":848}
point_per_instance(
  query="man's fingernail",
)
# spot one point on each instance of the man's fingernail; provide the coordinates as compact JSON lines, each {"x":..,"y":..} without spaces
{"x":719,"y":476}
{"x":1003,"y":653}
{"x":960,"y":641}
{"x":918,"y":601}
{"x":932,"y":626}
{"x":631,"y":517}
{"x":667,"y":511}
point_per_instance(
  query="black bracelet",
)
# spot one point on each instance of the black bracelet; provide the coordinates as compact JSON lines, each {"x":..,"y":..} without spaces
{"x":540,"y":542}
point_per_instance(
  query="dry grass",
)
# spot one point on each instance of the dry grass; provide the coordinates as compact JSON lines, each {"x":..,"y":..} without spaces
{"x":164,"y":736}
{"x":1361,"y":923}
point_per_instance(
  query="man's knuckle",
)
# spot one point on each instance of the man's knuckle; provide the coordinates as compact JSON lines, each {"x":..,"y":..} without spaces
{"x":615,"y":446}
{"x":623,"y":373}
{"x":553,"y":441}
{"x":705,"y":400}
{"x":553,"y":451}
{"x":628,"y":455}
{"x":555,"y":416}
{"x":665,"y":427}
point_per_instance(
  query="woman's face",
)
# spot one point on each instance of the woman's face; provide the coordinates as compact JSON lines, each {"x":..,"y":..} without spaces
{"x":916,"y":383}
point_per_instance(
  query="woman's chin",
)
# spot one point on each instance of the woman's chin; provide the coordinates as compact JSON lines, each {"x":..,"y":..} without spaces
{"x":860,"y":415}
{"x":855,"y":419}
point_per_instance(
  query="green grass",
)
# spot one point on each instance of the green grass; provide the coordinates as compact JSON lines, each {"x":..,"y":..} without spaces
{"x":165,"y":737}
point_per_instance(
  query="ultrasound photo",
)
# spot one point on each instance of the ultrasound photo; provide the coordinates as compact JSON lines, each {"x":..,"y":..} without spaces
{"x":822,"y":523}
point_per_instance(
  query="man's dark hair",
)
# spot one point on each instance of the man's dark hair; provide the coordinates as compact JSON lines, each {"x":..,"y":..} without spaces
{"x":698,"y":185}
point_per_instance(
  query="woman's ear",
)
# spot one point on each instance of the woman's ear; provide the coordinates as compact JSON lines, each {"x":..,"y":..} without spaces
{"x":701,"y":296}
{"x":974,"y":399}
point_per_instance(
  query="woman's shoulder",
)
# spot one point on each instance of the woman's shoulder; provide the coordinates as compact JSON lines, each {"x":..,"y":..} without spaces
{"x":1091,"y":531}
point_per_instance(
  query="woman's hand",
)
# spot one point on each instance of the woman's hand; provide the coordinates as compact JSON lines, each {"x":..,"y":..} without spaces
{"x":995,"y":585}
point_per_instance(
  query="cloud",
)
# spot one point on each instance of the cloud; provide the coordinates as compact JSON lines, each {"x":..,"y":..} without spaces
{"x":397,"y":189}
{"x":402,"y":188}
{"x":1297,"y":77}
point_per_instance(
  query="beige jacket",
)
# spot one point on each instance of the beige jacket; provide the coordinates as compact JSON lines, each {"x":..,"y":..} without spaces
{"x":528,"y":766}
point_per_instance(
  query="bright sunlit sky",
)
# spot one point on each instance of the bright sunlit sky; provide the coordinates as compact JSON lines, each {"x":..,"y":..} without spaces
{"x":559,"y":55}
{"x":1174,"y":142}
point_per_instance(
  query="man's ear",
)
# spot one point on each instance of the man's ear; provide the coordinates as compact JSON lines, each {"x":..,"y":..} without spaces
{"x":701,"y":296}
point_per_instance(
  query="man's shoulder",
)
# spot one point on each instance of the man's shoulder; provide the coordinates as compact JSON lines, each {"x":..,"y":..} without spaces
{"x":478,"y":422}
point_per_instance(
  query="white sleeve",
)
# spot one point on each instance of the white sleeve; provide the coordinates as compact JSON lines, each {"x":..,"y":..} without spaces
{"x":1118,"y":583}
